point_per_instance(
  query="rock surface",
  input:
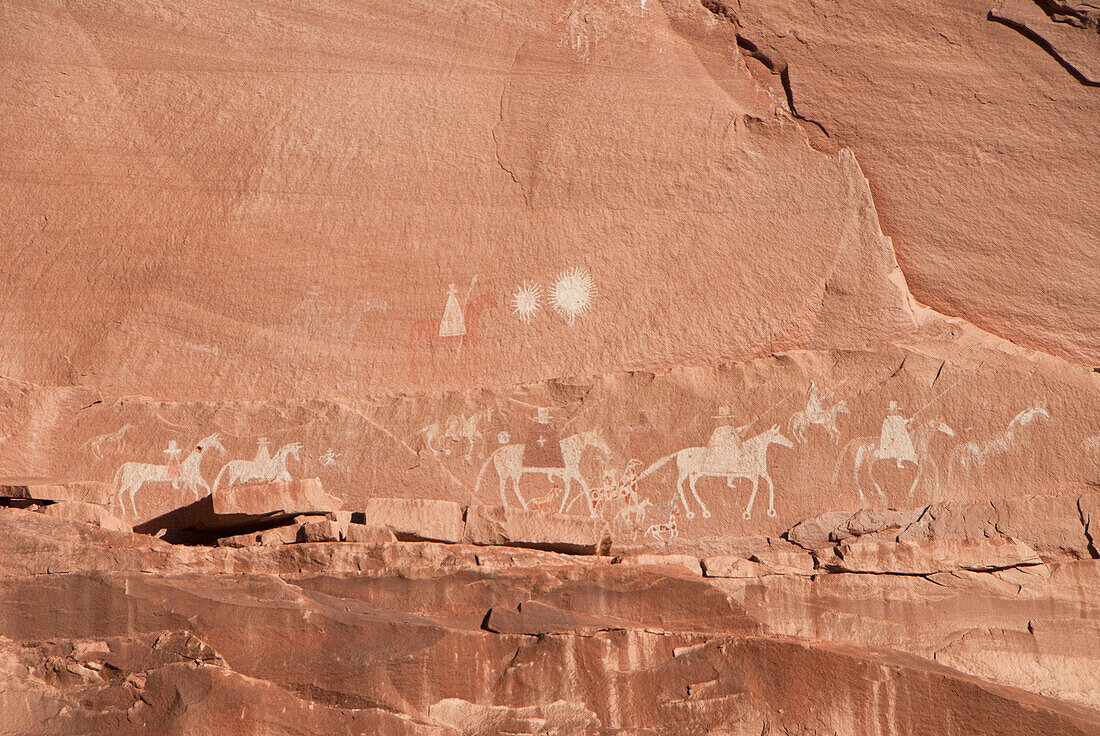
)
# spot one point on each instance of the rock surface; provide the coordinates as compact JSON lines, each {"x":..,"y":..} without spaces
{"x":570,"y":366}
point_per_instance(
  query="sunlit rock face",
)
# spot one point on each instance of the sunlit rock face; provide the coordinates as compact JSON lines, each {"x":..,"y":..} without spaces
{"x":584,"y":366}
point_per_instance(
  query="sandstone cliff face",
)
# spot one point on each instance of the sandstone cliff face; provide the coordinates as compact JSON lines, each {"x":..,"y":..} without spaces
{"x":769,"y":329}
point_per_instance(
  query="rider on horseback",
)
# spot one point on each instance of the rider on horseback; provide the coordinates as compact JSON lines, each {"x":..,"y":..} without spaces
{"x":726,"y":442}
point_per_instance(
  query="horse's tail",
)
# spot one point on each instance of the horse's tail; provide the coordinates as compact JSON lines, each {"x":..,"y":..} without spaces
{"x":118,"y":476}
{"x":218,"y":479}
{"x":481,"y":473}
{"x":840,"y":462}
{"x":657,"y":465}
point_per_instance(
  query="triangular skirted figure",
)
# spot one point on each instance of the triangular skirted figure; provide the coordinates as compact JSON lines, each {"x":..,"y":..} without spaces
{"x":173,"y":470}
{"x":813,"y":401}
{"x":724,"y":447}
{"x":453,"y":323}
{"x":543,"y":446}
{"x":894,"y":442}
{"x":263,"y":453}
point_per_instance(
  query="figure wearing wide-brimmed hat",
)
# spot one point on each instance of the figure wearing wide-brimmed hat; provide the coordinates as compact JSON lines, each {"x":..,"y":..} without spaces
{"x":543,"y":446}
{"x":725,"y":445}
{"x":894,"y":442}
{"x":173,"y":469}
{"x":263,"y":452}
{"x":813,"y":401}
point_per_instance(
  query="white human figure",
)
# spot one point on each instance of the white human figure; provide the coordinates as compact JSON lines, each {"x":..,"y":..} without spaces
{"x":693,"y":463}
{"x":894,"y":442}
{"x":263,"y":452}
{"x":130,"y":477}
{"x":813,"y":402}
{"x":172,"y":466}
{"x":453,"y":323}
{"x":244,"y":471}
{"x":725,"y":446}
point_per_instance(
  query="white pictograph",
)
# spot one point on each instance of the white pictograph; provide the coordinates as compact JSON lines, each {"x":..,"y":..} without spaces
{"x":458,"y":428}
{"x":330,"y":461}
{"x":633,"y":514}
{"x":668,"y":529}
{"x":900,"y":441}
{"x":975,"y":454}
{"x":453,"y":323}
{"x":617,"y":486}
{"x":116,"y":438}
{"x":572,"y":293}
{"x":265,"y":466}
{"x":130,"y":477}
{"x":509,"y":463}
{"x":719,"y":460}
{"x":527,"y":301}
{"x":815,"y":413}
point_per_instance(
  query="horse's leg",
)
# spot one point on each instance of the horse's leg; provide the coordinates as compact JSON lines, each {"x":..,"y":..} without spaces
{"x":584,"y":489}
{"x":916,"y":479}
{"x":683,"y":498}
{"x":703,"y":506}
{"x":565,"y":495}
{"x":516,"y":487}
{"x":752,"y":499}
{"x":503,"y":479}
{"x":874,"y":481}
{"x":935,"y":480}
{"x":857,"y":458}
{"x":133,"y":497}
{"x":771,"y":496}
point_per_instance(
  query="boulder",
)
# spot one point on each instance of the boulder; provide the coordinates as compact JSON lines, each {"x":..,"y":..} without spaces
{"x":497,"y":525}
{"x":781,"y":556}
{"x":414,"y":518}
{"x":246,"y":508}
{"x":250,"y":539}
{"x":35,"y":489}
{"x":875,"y":521}
{"x":319,"y":530}
{"x":90,"y":513}
{"x":815,"y":533}
{"x":305,"y":496}
{"x":287,"y":534}
{"x":1052,"y":525}
{"x":363,"y":534}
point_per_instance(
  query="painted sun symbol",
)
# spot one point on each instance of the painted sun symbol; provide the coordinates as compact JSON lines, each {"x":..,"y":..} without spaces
{"x":526,"y":301}
{"x":572,"y":293}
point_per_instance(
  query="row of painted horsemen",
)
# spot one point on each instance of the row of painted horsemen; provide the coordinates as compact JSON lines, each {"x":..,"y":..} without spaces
{"x":728,"y":454}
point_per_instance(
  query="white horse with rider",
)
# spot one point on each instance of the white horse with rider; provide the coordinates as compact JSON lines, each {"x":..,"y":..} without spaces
{"x":508,"y":461}
{"x":260,"y":470}
{"x":130,"y":477}
{"x":722,"y":460}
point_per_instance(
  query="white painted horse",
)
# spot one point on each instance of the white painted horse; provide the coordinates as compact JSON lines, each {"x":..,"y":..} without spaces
{"x":633,"y":514}
{"x":130,"y":477}
{"x":508,"y":461}
{"x":864,"y":449}
{"x":974,"y":454}
{"x":116,"y":438}
{"x":658,"y":531}
{"x":695,"y":462}
{"x":246,"y":471}
{"x":800,"y":421}
{"x":457,"y":429}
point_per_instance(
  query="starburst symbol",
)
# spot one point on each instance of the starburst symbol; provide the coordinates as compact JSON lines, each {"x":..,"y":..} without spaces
{"x":572,"y":293}
{"x":526,"y":301}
